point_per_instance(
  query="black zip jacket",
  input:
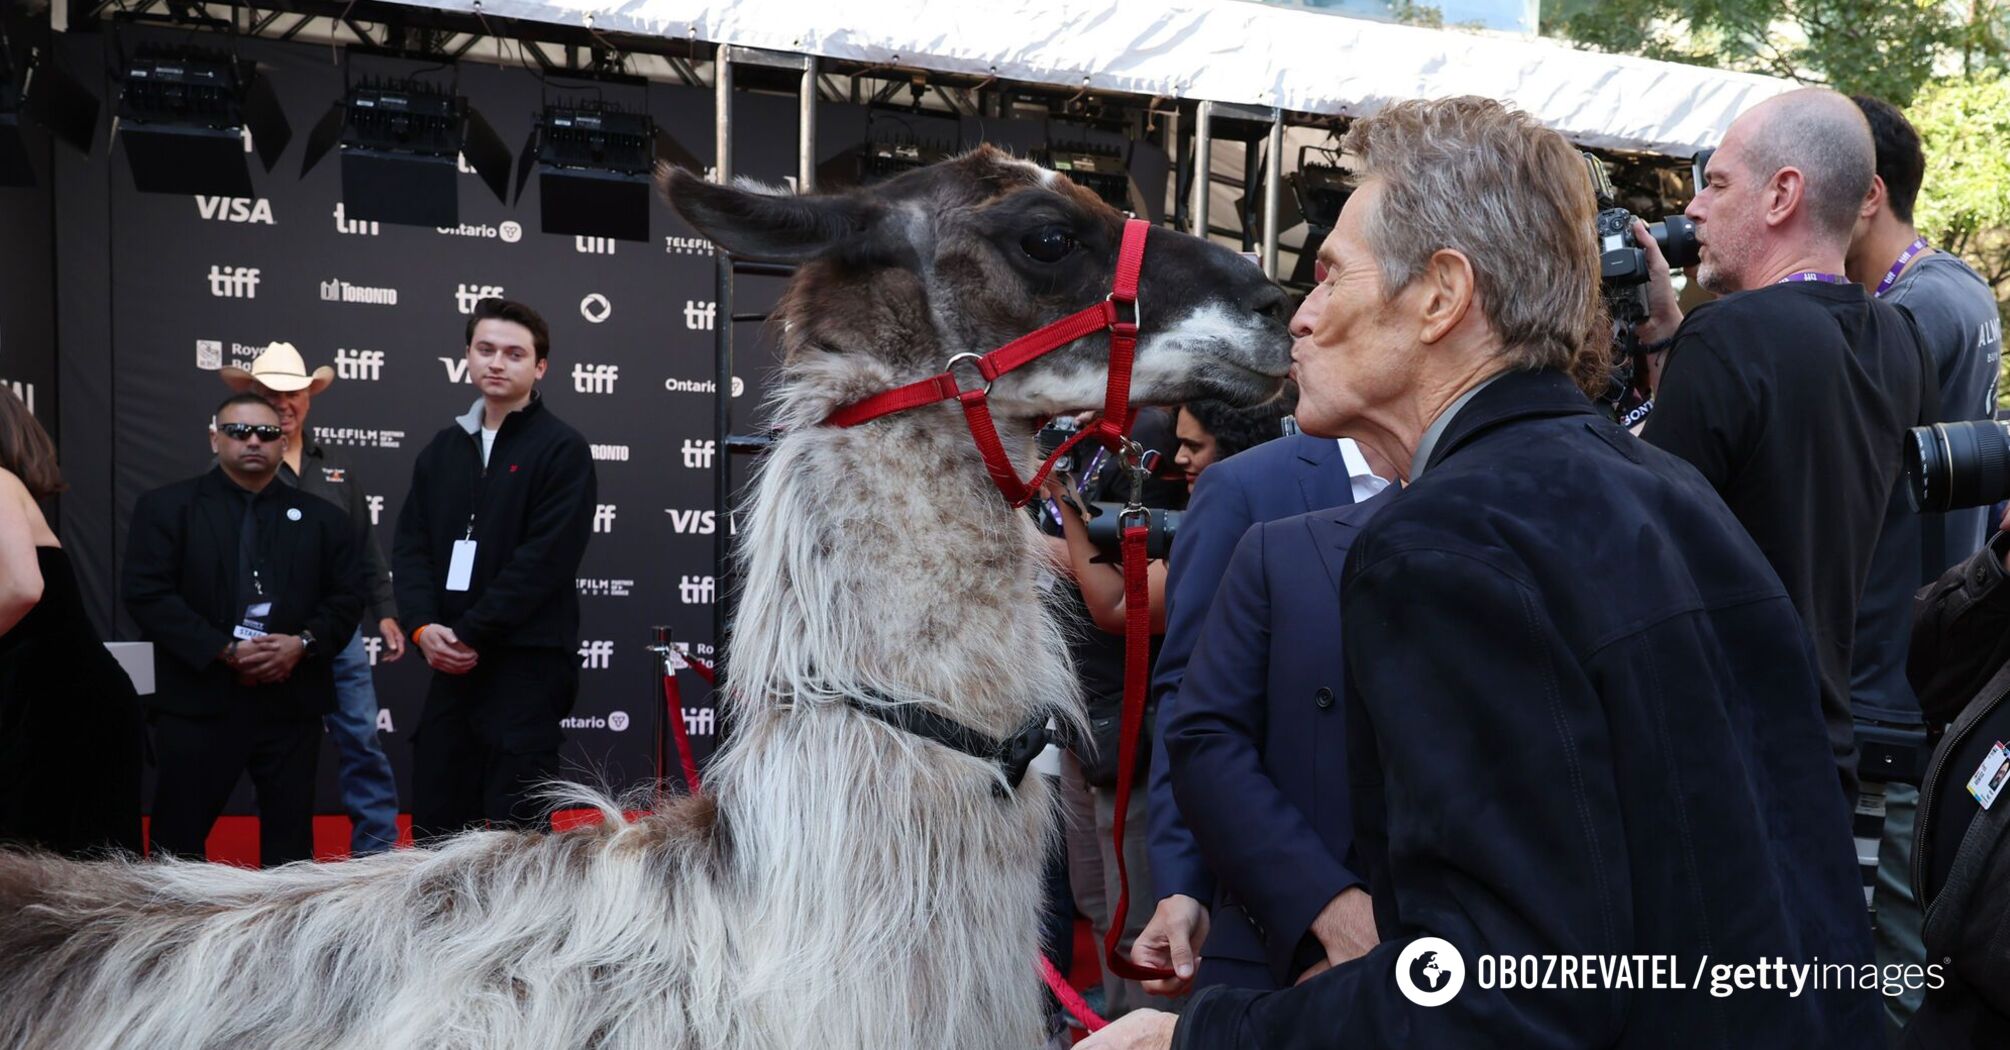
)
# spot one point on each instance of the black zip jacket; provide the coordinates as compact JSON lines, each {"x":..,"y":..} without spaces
{"x":532,"y":513}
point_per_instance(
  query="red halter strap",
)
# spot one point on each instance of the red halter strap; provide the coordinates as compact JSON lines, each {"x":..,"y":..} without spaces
{"x":1107,"y":315}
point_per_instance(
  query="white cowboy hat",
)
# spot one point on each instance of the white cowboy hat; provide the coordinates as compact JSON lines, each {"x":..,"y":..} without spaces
{"x":279,"y":367}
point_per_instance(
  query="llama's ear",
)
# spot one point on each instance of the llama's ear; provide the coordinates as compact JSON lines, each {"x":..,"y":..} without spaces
{"x":759,"y":225}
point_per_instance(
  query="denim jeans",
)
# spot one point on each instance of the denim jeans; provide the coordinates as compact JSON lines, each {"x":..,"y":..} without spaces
{"x":369,"y":791}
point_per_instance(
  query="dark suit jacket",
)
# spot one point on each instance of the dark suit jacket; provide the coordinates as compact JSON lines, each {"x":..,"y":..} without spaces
{"x":1277,"y":479}
{"x":1258,"y":748}
{"x":1583,"y":720}
{"x":181,"y":588}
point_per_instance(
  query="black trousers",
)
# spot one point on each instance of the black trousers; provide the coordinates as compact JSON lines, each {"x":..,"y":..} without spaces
{"x":200,"y":760}
{"x":487,"y":739}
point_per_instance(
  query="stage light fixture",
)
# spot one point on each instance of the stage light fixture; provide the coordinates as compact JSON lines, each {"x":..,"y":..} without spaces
{"x":594,"y":164}
{"x":401,"y":143}
{"x":1101,"y":171}
{"x":182,"y":117}
{"x":33,"y":90}
{"x":1321,"y":190}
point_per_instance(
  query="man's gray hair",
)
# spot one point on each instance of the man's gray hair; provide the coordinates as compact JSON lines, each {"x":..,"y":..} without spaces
{"x":1824,"y":136}
{"x":1473,"y":176}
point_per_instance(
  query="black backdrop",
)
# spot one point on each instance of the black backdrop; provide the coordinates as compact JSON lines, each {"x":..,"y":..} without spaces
{"x":128,"y":302}
{"x":149,"y":294}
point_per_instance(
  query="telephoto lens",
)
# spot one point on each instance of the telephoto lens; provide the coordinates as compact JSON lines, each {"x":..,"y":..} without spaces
{"x":1676,"y":236}
{"x":1952,"y":466}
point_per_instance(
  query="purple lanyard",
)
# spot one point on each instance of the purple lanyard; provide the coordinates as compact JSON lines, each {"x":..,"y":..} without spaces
{"x":1811,"y":275}
{"x":1891,"y":275}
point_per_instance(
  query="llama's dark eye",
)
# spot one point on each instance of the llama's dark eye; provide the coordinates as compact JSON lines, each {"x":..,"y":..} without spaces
{"x":1048,"y":243}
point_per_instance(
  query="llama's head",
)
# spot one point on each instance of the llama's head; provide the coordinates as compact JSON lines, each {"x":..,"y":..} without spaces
{"x":968,"y":254}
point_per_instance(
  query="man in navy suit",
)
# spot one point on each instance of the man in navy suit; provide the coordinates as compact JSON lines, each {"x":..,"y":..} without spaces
{"x":1274,"y":480}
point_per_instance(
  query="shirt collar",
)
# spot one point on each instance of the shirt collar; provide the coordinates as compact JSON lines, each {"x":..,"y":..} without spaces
{"x":1436,"y":431}
{"x":1362,"y":477}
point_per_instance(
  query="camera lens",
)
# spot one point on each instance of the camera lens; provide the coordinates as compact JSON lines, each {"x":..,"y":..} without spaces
{"x":1677,"y":237}
{"x":1952,"y":466}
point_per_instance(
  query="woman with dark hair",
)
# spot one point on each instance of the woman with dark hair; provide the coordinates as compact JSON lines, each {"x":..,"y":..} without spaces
{"x":1211,"y":431}
{"x":71,"y":734}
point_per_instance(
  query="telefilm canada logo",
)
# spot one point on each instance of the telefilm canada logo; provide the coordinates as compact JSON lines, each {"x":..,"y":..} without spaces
{"x":359,"y":437}
{"x":592,"y":587}
{"x":687,"y":246}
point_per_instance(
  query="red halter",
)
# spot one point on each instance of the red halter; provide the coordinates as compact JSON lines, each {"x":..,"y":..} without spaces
{"x":1109,"y":430}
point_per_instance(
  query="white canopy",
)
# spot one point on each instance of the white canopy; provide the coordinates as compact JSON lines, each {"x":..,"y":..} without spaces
{"x":1224,"y":50}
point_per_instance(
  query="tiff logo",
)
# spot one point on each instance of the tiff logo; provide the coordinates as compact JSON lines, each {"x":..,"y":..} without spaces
{"x":603,"y":517}
{"x":593,"y":245}
{"x":594,"y":379}
{"x":343,"y":224}
{"x":376,"y":505}
{"x":366,"y":365}
{"x":24,"y":391}
{"x":372,"y":645}
{"x":457,"y":369}
{"x":699,"y":721}
{"x":700,"y":315}
{"x":697,"y":454}
{"x":467,"y":295}
{"x":233,"y":282}
{"x":595,"y":656}
{"x":235,"y":209}
{"x":696,"y":522}
{"x":696,"y":590}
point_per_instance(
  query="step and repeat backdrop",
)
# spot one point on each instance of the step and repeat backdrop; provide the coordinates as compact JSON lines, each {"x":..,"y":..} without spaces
{"x":129,"y":304}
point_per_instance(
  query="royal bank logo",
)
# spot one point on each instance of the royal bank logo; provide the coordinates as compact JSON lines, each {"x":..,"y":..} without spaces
{"x":467,"y":295}
{"x":212,"y":354}
{"x":235,"y":209}
{"x":594,"y":379}
{"x":687,"y":246}
{"x":356,"y":227}
{"x":593,"y":245}
{"x":361,"y":437}
{"x":696,"y":590}
{"x":701,"y":386}
{"x":700,"y":315}
{"x":340,"y":291}
{"x":610,"y":453}
{"x":233,"y":282}
{"x":364,"y":365}
{"x":590,"y":587}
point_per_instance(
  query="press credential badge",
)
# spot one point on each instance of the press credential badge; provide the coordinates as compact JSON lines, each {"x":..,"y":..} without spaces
{"x":1987,"y":782}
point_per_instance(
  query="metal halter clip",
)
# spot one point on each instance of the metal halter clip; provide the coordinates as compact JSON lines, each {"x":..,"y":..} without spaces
{"x":1134,"y":465}
{"x":976,"y":360}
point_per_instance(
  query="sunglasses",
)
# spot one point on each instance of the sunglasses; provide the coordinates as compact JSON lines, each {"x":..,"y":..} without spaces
{"x":246,"y":431}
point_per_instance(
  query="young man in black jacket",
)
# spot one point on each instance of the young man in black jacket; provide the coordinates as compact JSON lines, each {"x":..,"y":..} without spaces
{"x":488,"y":546}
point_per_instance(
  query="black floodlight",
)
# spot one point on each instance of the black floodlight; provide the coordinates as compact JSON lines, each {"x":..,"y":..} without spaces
{"x":1100,"y":170}
{"x":594,"y":165}
{"x":401,"y":144}
{"x":1321,"y":190}
{"x":33,"y":90}
{"x":182,"y":117}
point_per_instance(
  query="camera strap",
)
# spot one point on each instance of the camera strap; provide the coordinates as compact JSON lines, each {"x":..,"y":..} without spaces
{"x":1106,"y":316}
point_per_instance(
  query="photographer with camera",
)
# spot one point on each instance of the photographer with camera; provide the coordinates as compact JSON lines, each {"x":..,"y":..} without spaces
{"x":1956,"y":315}
{"x":1960,"y":668}
{"x":1792,"y":393}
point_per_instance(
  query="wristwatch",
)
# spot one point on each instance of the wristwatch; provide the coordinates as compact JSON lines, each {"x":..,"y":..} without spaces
{"x":309,"y":645}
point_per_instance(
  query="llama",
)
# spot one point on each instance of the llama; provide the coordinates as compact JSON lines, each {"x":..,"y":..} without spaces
{"x":843,"y":884}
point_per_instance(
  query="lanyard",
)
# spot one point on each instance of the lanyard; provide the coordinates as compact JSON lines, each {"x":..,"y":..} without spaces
{"x":1891,"y":276}
{"x":1812,"y":275}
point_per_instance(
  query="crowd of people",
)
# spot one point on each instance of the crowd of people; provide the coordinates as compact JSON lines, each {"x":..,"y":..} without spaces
{"x":1443,"y":656}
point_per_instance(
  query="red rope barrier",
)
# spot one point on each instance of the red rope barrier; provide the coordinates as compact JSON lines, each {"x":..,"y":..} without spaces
{"x":673,"y":700}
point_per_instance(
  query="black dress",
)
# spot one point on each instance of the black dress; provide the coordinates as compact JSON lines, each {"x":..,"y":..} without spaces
{"x":71,"y":731}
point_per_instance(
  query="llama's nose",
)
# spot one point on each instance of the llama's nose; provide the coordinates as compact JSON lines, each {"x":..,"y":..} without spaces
{"x":1266,"y":299}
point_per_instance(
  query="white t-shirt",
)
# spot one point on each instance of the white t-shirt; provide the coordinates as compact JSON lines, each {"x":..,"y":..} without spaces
{"x":488,"y":442}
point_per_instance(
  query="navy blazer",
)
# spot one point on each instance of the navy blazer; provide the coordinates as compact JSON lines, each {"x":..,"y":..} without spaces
{"x":1277,"y":479}
{"x":1258,"y":751}
{"x":1583,"y":721}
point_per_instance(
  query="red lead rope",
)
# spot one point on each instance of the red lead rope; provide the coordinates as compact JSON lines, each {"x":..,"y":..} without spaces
{"x":1137,"y":668}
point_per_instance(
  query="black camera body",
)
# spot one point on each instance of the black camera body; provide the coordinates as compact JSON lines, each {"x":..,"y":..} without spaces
{"x":1623,"y":282}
